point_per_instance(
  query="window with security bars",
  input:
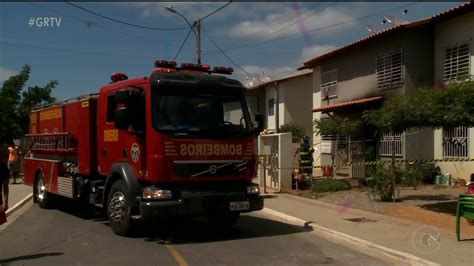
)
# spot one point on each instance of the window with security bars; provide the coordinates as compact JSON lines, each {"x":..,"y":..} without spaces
{"x":455,"y":142}
{"x":389,"y":70}
{"x":386,"y":142}
{"x":329,"y":84}
{"x":457,"y":62}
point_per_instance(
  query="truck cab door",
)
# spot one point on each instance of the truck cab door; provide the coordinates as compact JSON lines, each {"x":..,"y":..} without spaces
{"x":121,"y":129}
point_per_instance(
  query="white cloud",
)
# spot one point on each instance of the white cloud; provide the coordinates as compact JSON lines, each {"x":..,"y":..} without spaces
{"x":263,"y":74}
{"x":5,"y":73}
{"x":311,"y":52}
{"x":191,"y":10}
{"x":273,"y":26}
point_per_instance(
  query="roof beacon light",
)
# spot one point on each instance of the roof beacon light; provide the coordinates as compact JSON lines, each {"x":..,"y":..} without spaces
{"x":164,"y":63}
{"x":223,"y":70}
{"x":191,"y":66}
{"x":118,"y":76}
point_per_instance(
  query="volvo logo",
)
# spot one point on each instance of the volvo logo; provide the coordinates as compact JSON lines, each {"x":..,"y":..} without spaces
{"x":213,"y":169}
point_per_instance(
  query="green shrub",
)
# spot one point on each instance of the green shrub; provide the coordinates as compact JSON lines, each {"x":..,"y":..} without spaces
{"x":297,"y":131}
{"x":330,"y":185}
{"x":379,"y":183}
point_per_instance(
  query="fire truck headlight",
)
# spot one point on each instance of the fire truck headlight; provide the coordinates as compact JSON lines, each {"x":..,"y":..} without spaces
{"x":253,"y":190}
{"x":154,"y":193}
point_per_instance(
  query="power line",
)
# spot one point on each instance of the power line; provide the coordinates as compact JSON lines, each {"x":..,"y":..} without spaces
{"x":261,"y":36}
{"x":182,"y":44}
{"x":275,"y":24}
{"x":226,"y":56}
{"x":100,"y":26}
{"x":123,"y":22}
{"x":215,"y":11}
{"x":320,"y":28}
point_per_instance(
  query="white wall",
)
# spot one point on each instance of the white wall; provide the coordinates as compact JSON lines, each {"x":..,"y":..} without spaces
{"x":451,"y":32}
{"x":316,"y":103}
{"x":296,"y":102}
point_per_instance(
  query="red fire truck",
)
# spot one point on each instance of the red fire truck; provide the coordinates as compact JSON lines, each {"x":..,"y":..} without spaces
{"x":177,"y":143}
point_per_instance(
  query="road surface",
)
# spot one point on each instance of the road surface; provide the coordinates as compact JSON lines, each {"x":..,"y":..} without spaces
{"x":77,"y":236}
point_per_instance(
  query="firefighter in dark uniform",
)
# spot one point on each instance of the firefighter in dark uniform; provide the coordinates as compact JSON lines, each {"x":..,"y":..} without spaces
{"x":306,"y":157}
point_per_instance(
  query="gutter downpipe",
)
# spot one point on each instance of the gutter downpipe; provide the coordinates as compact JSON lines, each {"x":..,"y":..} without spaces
{"x":277,"y":107}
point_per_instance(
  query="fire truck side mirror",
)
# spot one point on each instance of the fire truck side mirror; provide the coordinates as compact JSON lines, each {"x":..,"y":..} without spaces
{"x":121,"y":118}
{"x":258,"y":123}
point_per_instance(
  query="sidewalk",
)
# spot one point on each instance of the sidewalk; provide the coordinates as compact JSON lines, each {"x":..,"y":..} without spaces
{"x":18,"y":192}
{"x":382,"y":230}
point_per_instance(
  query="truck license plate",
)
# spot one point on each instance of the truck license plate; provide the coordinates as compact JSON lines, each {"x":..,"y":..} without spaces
{"x":239,"y":206}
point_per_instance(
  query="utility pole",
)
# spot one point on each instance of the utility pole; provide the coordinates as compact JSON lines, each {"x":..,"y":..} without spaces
{"x":196,"y":28}
{"x":197,"y":25}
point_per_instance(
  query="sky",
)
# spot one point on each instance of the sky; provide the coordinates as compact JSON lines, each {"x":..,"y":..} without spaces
{"x":258,"y":40}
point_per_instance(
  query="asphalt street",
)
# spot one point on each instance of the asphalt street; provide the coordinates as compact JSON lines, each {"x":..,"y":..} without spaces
{"x":81,"y":237}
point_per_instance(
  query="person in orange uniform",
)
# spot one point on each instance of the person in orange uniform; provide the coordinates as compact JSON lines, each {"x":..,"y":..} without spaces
{"x":13,"y":162}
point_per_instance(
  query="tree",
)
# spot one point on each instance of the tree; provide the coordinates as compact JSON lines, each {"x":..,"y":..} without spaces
{"x":337,"y":125}
{"x":451,"y":106}
{"x":297,"y":131}
{"x":16,"y":104}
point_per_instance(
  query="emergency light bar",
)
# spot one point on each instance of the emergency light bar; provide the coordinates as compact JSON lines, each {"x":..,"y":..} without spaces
{"x":223,"y":70}
{"x":196,"y":67}
{"x":164,"y":63}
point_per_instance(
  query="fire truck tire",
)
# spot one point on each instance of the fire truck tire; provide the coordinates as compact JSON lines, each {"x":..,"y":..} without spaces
{"x":40,"y":195}
{"x":224,"y":221}
{"x":118,"y":209}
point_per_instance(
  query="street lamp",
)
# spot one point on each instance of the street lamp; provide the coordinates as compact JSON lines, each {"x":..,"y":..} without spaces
{"x":196,"y":28}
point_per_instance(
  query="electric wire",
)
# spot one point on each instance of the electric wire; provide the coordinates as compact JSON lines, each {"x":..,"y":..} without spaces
{"x":182,"y":44}
{"x":123,"y":22}
{"x":274,"y":25}
{"x":99,"y":25}
{"x":224,"y":54}
{"x":215,"y":11}
{"x":320,"y":28}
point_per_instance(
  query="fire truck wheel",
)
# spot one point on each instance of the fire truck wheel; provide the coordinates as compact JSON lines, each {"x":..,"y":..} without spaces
{"x":41,"y":196}
{"x":118,"y":209}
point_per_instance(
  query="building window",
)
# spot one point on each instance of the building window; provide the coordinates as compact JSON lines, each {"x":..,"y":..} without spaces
{"x":389,"y":70}
{"x":271,"y":107}
{"x":386,"y":142}
{"x":329,"y":84}
{"x":456,"y":62}
{"x":455,"y":142}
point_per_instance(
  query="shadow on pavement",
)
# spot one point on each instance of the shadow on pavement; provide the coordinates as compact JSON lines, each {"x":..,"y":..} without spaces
{"x":31,"y":257}
{"x":200,"y":231}
{"x":188,"y":230}
{"x":442,"y":197}
{"x":448,"y":207}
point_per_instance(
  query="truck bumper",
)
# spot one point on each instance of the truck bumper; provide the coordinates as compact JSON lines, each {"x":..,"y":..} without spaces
{"x":196,"y":204}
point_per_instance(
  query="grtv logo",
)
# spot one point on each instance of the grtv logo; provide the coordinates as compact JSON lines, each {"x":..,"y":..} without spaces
{"x":44,"y":22}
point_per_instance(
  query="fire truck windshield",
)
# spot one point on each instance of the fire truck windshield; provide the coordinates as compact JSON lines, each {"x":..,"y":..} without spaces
{"x":200,"y":115}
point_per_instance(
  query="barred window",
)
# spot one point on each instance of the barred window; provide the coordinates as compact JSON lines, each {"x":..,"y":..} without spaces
{"x":271,"y":107}
{"x":385,"y":144}
{"x":389,"y":70}
{"x":455,"y":142}
{"x":329,"y":84}
{"x":457,"y":62}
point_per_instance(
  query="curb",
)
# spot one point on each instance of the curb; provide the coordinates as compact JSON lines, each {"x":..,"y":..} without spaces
{"x":19,"y":205}
{"x":394,"y":254}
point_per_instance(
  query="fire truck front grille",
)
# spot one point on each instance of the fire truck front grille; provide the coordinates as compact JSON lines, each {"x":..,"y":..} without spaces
{"x":209,"y":168}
